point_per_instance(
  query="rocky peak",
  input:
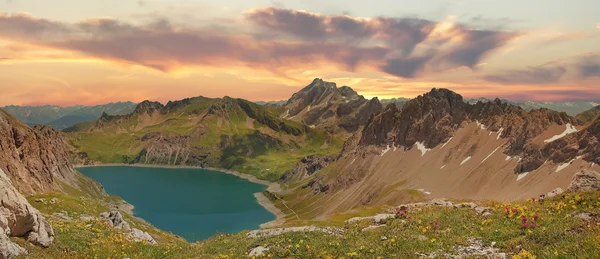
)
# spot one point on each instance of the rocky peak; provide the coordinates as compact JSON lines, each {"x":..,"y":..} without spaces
{"x":321,"y":104}
{"x":147,"y":107}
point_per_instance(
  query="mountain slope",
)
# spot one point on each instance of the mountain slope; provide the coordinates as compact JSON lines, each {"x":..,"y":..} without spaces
{"x":571,"y":108}
{"x":226,"y":133}
{"x":440,"y":146}
{"x":64,"y":117}
{"x":589,"y":115}
{"x":323,"y":105}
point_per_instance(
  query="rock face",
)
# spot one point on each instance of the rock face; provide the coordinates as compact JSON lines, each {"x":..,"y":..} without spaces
{"x":585,"y":181}
{"x":19,"y":219}
{"x":323,"y":105}
{"x":115,"y":219}
{"x":307,"y":167}
{"x":34,"y":158}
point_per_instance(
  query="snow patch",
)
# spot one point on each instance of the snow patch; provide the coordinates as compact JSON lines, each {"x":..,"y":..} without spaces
{"x":385,"y":150}
{"x":508,"y":158}
{"x":480,"y":125}
{"x":448,"y":141}
{"x":287,"y":114}
{"x":425,"y":192}
{"x":443,"y":167}
{"x":394,"y":148}
{"x":563,"y":166}
{"x":422,"y":148}
{"x":570,"y":129}
{"x":353,"y":161}
{"x":312,"y":126}
{"x":486,"y":158}
{"x":521,"y":176}
{"x":579,"y":157}
{"x":466,"y":159}
{"x":499,"y":133}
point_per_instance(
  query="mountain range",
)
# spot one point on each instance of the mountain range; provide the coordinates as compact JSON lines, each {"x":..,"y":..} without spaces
{"x":63,"y":117}
{"x":333,"y":152}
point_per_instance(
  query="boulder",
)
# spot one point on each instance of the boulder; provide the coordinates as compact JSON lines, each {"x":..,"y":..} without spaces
{"x":53,"y":201}
{"x":62,"y":215}
{"x":19,"y":219}
{"x":258,"y":251}
{"x":555,"y":192}
{"x":115,"y":219}
{"x":585,"y":181}
{"x":138,"y":236}
{"x":8,"y":249}
{"x":85,"y":217}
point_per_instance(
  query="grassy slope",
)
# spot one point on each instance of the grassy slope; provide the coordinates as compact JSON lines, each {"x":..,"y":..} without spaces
{"x":250,"y":151}
{"x":589,"y":115}
{"x":558,"y":235}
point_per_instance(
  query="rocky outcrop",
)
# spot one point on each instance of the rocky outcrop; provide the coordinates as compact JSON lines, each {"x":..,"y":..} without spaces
{"x":323,"y":105}
{"x":307,"y":167}
{"x":116,"y":220}
{"x":19,"y":219}
{"x":33,"y":158}
{"x":585,"y":181}
{"x":170,"y":149}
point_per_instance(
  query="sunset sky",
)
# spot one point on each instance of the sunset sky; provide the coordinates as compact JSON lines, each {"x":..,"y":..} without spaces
{"x":67,"y":52}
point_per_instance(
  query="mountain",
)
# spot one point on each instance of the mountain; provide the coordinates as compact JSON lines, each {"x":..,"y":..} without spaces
{"x":439,"y":146}
{"x":39,"y":115}
{"x":571,"y":108}
{"x":222,"y":132}
{"x":272,"y":103}
{"x":64,"y":117}
{"x":323,"y":105}
{"x":399,"y":102}
{"x":589,"y":115}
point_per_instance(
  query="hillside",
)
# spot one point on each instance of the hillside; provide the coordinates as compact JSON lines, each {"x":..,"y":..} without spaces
{"x":64,"y":117}
{"x":226,"y":133}
{"x":589,"y":115}
{"x":323,"y":105}
{"x":438,"y":146}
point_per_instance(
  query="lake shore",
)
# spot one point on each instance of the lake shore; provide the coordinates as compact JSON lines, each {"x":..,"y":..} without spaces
{"x":262,"y":200}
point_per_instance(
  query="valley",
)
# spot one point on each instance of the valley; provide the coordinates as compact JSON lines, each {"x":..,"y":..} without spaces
{"x":327,"y":155}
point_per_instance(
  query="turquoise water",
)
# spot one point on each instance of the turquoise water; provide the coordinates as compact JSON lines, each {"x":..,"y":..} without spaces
{"x":192,"y":203}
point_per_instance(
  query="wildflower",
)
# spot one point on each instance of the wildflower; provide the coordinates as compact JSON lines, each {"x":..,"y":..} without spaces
{"x":514,"y":210}
{"x":524,"y":219}
{"x":535,"y":217}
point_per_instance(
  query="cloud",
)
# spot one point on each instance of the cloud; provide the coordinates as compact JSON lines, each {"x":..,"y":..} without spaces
{"x":403,"y":47}
{"x":564,"y":37}
{"x":589,"y":66}
{"x":530,"y":75}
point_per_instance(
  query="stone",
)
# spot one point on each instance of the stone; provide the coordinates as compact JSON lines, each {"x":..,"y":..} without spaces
{"x":422,"y":238}
{"x":383,"y":238}
{"x":258,"y":251}
{"x":372,"y":227}
{"x":9,"y":249}
{"x":40,"y":201}
{"x":555,"y":192}
{"x":139,"y":236}
{"x":62,"y":215}
{"x":482,"y":210}
{"x":279,"y":231}
{"x":115,"y":219}
{"x":86,"y":217}
{"x":19,"y":219}
{"x":587,"y":216}
{"x":585,"y":181}
{"x":53,"y":201}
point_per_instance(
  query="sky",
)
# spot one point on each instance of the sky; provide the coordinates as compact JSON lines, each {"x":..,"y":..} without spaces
{"x":68,"y":52}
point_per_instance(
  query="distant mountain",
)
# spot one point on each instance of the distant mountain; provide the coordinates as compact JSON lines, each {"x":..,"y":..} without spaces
{"x":589,"y":115}
{"x":571,"y":108}
{"x":323,"y":105}
{"x":399,"y":102}
{"x":64,"y":117}
{"x":272,"y":103}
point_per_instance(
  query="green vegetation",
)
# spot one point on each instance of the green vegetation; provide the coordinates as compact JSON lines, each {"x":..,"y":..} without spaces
{"x":589,"y":115}
{"x":225,"y":133}
{"x":557,"y":234}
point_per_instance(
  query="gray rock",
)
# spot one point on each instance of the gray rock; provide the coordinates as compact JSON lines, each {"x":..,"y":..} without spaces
{"x":279,"y":231}
{"x":138,"y":236}
{"x":8,"y":249}
{"x":115,"y":219}
{"x":372,"y":227}
{"x":86,"y":217}
{"x":63,"y":215}
{"x":584,"y":215}
{"x":383,"y":238}
{"x":379,"y":218}
{"x":53,"y":201}
{"x":585,"y":181}
{"x":481,"y":210}
{"x":258,"y":251}
{"x":555,"y":192}
{"x":422,"y":238}
{"x":40,"y":201}
{"x":19,"y":219}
